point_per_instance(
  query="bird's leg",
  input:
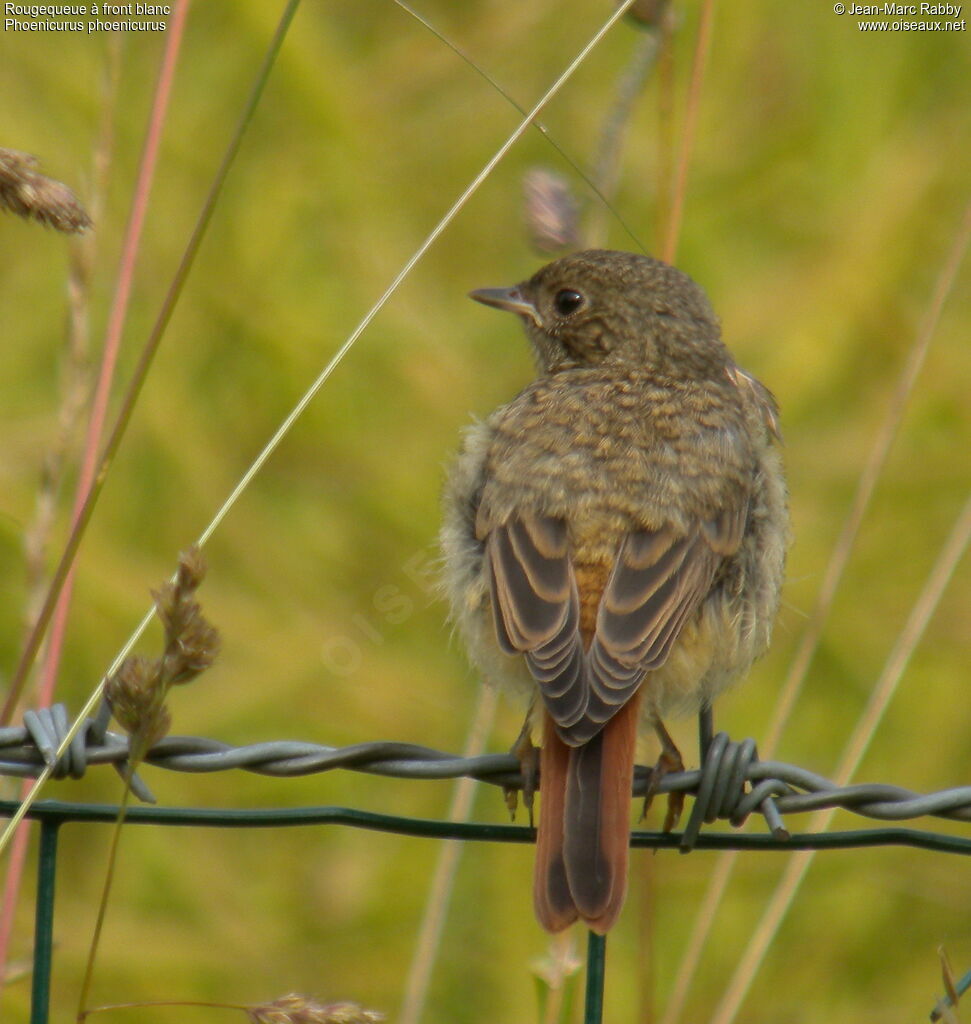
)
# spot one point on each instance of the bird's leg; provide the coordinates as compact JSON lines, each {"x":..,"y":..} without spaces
{"x":668,"y":762}
{"x":528,"y":756}
{"x":706,"y":730}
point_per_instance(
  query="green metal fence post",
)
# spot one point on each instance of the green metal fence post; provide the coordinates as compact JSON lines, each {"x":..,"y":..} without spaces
{"x":44,"y":923}
{"x":596,"y":965}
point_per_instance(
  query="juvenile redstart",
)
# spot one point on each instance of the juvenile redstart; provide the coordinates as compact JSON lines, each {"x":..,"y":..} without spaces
{"x":615,"y":541}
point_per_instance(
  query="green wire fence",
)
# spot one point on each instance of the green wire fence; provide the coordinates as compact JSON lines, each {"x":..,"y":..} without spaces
{"x":731,"y":784}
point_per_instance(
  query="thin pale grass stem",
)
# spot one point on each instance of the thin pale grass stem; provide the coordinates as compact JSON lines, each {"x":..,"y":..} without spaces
{"x":798,"y":671}
{"x":62,"y":594}
{"x":665,"y":128}
{"x":556,"y":977}
{"x":105,"y":893}
{"x":702,"y":48}
{"x":114,"y":440}
{"x":87,"y":710}
{"x":704,"y":919}
{"x":590,"y":182}
{"x":883,"y":692}
{"x":553,"y":1010}
{"x":867,"y":483}
{"x":164,"y":1002}
{"x":73,"y":401}
{"x":37,"y":536}
{"x":674,"y":213}
{"x":443,"y":880}
{"x":90,"y":487}
{"x":612,"y":136}
{"x":116,"y":324}
{"x":647,"y":941}
{"x":141,"y":370}
{"x":75,"y":393}
{"x":403,"y":273}
{"x":11,"y":892}
{"x":305,"y":400}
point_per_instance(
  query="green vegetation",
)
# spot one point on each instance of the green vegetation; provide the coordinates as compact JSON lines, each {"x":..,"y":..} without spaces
{"x":826,"y":188}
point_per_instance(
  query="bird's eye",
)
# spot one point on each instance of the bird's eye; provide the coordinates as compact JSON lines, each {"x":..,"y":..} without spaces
{"x":567,"y":301}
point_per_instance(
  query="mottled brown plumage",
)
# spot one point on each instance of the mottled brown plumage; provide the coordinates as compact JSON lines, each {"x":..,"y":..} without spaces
{"x":615,"y":540}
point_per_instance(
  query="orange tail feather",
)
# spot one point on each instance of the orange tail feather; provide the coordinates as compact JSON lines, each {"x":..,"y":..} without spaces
{"x":552,"y":900}
{"x":584,"y":826}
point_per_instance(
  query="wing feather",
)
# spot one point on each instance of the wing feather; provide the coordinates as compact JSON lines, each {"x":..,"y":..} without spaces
{"x":529,"y":616}
{"x":537,"y":609}
{"x":659,"y":579}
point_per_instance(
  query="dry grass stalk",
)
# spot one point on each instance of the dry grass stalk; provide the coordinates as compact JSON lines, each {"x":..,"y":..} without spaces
{"x":298,"y":1009}
{"x":32,"y":195}
{"x":292,"y":1008}
{"x":556,"y":975}
{"x":136,"y":692}
{"x":550,"y":211}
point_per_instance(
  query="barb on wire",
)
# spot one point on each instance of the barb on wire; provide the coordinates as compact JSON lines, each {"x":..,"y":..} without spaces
{"x":944,"y":1009}
{"x":731,"y":784}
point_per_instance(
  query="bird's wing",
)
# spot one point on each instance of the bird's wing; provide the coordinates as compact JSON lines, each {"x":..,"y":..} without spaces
{"x":659,"y":579}
{"x":537,"y":609}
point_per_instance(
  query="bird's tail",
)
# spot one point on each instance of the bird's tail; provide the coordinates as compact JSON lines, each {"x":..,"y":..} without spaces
{"x":584,"y":824}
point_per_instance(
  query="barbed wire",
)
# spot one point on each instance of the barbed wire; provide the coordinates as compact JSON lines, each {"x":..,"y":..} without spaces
{"x":731,"y":784}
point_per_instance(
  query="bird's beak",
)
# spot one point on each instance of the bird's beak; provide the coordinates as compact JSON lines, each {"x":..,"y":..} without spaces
{"x":510,"y":299}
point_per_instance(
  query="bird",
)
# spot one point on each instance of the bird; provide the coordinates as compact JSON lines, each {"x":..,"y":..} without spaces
{"x":614,"y":542}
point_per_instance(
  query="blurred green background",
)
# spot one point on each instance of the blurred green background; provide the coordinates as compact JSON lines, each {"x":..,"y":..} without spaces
{"x":827,"y":183}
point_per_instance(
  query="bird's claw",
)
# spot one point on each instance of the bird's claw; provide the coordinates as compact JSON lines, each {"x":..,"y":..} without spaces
{"x":669,"y":762}
{"x":528,"y":756}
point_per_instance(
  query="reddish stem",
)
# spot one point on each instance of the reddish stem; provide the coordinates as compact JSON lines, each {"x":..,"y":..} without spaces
{"x":116,"y":324}
{"x":702,"y":46}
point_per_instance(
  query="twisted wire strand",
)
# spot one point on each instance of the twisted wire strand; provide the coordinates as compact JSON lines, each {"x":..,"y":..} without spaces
{"x":731,"y":784}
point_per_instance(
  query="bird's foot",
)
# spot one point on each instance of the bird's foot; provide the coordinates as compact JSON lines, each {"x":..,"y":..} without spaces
{"x":528,"y":756}
{"x":669,"y":762}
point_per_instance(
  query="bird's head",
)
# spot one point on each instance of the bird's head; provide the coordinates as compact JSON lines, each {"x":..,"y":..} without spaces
{"x":600,"y":305}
